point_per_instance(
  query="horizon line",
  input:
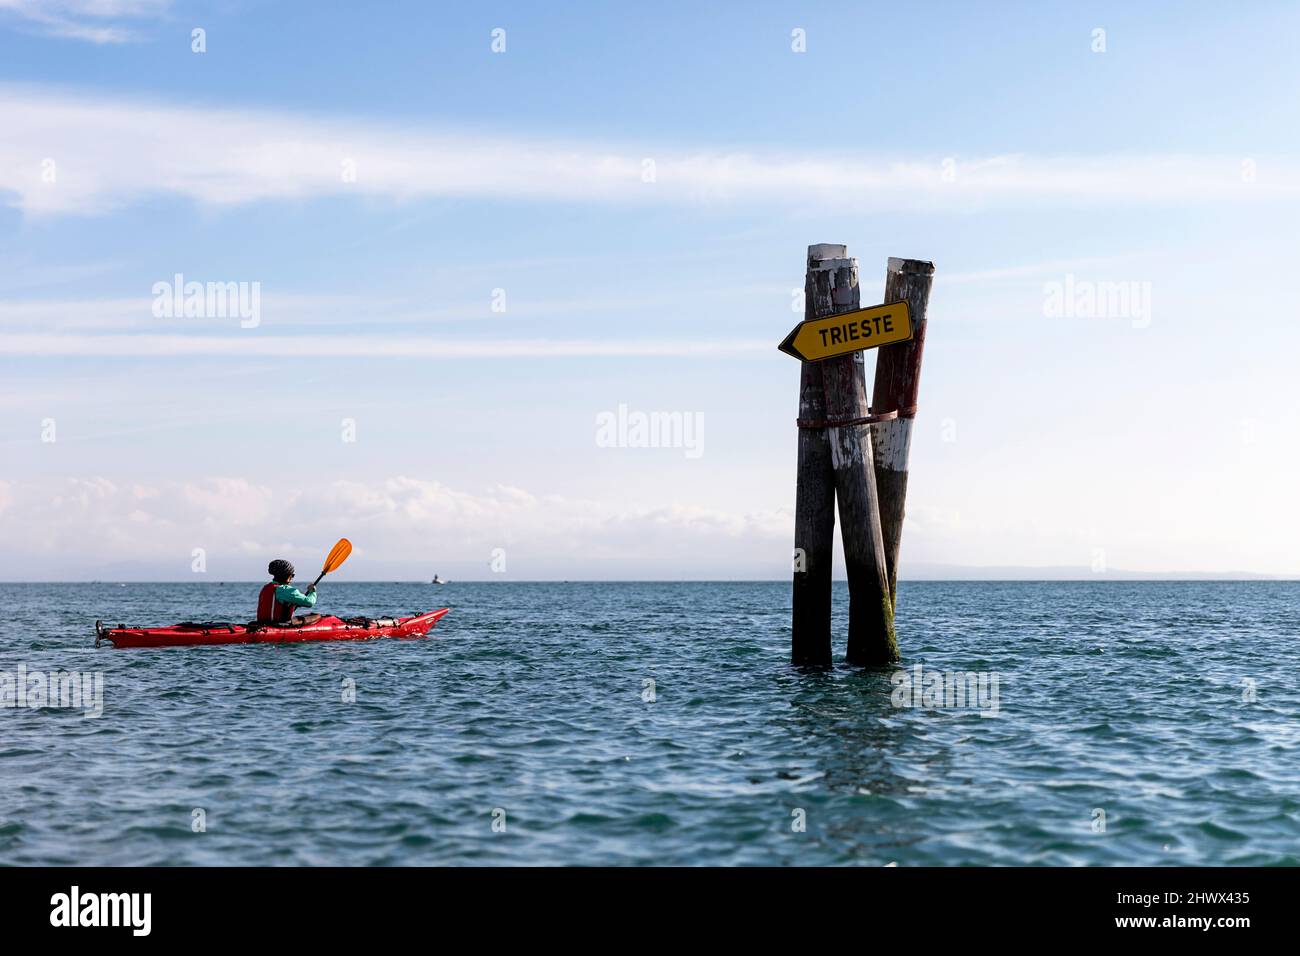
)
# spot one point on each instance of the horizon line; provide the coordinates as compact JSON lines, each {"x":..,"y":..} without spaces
{"x":1104,"y":579}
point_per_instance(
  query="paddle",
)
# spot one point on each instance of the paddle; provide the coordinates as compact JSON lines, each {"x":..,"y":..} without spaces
{"x":338,"y":554}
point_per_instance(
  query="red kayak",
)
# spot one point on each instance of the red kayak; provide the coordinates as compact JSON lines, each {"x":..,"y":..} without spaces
{"x":217,"y":632}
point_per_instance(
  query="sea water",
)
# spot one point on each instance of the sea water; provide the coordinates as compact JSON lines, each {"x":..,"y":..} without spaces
{"x":661,"y":723}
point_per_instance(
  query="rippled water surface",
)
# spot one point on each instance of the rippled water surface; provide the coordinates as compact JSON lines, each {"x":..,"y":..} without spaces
{"x":526,"y":705}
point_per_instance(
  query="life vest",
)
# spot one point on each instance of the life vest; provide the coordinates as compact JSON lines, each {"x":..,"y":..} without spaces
{"x":269,"y":609}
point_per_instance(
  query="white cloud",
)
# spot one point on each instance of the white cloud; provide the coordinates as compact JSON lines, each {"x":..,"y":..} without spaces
{"x":406,"y":526}
{"x":1036,"y":270}
{"x":91,"y":527}
{"x":250,"y":344}
{"x":96,"y":21}
{"x":111,"y":152}
{"x":320,"y":311}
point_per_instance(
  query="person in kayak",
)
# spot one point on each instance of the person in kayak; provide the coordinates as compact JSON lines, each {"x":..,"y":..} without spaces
{"x":277,"y":599}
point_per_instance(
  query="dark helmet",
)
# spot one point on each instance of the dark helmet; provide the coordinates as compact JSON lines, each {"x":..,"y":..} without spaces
{"x":280,"y":569}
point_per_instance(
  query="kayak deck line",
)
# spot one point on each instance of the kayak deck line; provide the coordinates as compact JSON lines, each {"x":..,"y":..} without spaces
{"x":328,"y":628}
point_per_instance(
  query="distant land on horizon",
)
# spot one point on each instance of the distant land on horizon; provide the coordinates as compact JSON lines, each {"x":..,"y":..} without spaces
{"x":919,"y":573}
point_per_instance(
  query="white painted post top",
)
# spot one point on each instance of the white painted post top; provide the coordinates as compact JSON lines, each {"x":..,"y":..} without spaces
{"x":828,"y":250}
{"x":917,"y":267}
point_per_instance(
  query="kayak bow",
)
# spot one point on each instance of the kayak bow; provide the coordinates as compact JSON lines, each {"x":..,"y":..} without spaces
{"x":327,"y":628}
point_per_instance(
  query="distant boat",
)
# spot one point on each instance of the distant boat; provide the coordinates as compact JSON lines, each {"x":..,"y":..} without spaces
{"x":438,"y":580}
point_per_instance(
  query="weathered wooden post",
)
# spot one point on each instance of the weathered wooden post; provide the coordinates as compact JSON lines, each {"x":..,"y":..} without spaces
{"x":898,"y":378}
{"x":835,"y":452}
{"x":871,"y":612}
{"x":814,"y":508}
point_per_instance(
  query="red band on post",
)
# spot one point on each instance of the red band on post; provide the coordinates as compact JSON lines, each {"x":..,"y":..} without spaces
{"x":909,"y":412}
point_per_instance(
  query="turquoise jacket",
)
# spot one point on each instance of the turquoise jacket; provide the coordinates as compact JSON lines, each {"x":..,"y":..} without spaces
{"x":288,"y":594}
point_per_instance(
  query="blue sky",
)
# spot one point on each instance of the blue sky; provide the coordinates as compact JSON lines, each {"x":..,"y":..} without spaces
{"x":993,"y":139}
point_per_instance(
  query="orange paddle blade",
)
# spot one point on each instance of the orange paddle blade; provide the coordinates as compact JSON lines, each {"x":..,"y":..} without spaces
{"x":338,"y":554}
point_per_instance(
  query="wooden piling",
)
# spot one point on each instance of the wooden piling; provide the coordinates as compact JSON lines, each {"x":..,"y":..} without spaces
{"x":871,"y":611}
{"x":814,"y":510}
{"x":898,"y":380}
{"x":835,"y":463}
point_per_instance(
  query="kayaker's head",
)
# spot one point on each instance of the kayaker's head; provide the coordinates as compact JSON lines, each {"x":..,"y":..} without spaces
{"x":281,"y":570}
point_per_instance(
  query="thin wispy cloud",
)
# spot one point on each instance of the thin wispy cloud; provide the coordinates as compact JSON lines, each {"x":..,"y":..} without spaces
{"x":95,"y":21}
{"x":23,"y":273}
{"x":65,"y":153}
{"x":1034,"y":270}
{"x":252,"y":345}
{"x":319,"y":311}
{"x":123,"y":314}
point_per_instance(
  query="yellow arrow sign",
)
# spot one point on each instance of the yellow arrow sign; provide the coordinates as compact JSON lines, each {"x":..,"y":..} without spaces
{"x":847,"y":332}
